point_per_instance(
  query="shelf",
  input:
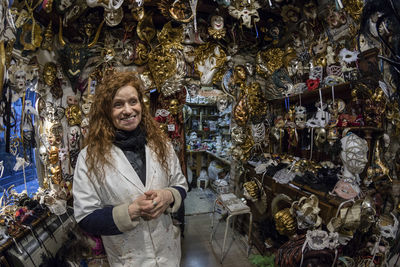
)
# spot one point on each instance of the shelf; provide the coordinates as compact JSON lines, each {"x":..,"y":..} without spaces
{"x":206,"y":116}
{"x":227,"y":162}
{"x":351,"y":128}
{"x":200,"y":105}
{"x":341,"y":91}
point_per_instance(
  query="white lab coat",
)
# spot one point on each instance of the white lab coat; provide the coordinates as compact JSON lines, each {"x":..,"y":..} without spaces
{"x":151,"y":243}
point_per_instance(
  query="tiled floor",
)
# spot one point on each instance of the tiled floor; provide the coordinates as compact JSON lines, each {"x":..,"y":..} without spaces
{"x":198,"y":252}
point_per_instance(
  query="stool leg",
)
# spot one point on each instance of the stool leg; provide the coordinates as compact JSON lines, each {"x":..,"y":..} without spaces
{"x":249,"y":237}
{"x":212,"y":221}
{"x":226,"y":234}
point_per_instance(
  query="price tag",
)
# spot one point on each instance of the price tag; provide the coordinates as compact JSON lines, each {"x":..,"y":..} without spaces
{"x":171,"y":127}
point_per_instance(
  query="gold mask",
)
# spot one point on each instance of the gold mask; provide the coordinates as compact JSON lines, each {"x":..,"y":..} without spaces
{"x":74,"y":115}
{"x":162,"y":64}
{"x":268,"y":61}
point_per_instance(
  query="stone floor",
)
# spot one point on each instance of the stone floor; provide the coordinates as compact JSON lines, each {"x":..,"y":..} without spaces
{"x":198,"y":252}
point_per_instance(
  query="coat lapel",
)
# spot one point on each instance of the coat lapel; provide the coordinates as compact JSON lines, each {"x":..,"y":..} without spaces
{"x":123,"y":166}
{"x":149,"y":168}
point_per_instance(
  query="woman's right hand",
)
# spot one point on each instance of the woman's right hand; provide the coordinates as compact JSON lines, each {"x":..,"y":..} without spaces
{"x":139,"y":206}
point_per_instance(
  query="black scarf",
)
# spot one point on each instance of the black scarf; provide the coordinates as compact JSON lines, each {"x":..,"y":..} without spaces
{"x":132,"y":143}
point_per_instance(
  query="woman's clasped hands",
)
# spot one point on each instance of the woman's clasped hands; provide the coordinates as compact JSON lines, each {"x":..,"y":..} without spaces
{"x":151,"y":204}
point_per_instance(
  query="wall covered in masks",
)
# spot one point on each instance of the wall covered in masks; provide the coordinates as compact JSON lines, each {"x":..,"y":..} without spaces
{"x":313,"y":86}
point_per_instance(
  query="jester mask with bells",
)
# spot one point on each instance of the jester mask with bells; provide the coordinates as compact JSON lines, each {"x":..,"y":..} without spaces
{"x":209,"y":58}
{"x":73,"y":57}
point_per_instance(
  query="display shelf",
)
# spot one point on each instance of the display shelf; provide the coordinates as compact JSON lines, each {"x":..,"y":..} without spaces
{"x":224,"y":160}
{"x":205,"y":116}
{"x":341,"y":91}
{"x":200,"y":105}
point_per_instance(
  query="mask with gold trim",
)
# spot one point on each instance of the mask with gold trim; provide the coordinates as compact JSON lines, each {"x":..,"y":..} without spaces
{"x":209,"y":58}
{"x":178,"y":10}
{"x":268,"y":61}
{"x":74,"y":115}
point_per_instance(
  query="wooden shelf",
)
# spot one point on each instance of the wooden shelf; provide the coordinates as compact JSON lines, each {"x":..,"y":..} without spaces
{"x":200,"y":105}
{"x":341,"y":91}
{"x":224,"y":160}
{"x":206,"y":116}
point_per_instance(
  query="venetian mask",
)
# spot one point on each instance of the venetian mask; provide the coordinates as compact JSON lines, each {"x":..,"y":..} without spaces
{"x":208,"y":59}
{"x":53,"y":155}
{"x":142,"y":54}
{"x":193,"y":89}
{"x":354,"y":154}
{"x":49,"y":73}
{"x":162,"y":65}
{"x":43,"y":155}
{"x":87,"y":103}
{"x":285,"y":222}
{"x":245,"y":11}
{"x":72,"y":100}
{"x":189,"y":53}
{"x":306,"y":211}
{"x":177,"y":10}
{"x":300,"y":116}
{"x":388,"y":226}
{"x":113,"y":17}
{"x":238,"y":135}
{"x":128,"y":54}
{"x":63,"y":5}
{"x":174,"y":106}
{"x":85,"y":127}
{"x":239,"y":74}
{"x":20,"y":80}
{"x":47,"y":43}
{"x":60,"y":74}
{"x":250,"y":68}
{"x":217,"y":22}
{"x":145,"y":29}
{"x":320,"y":136}
{"x":73,"y":114}
{"x":336,"y":18}
{"x":73,"y":137}
{"x":188,"y":34}
{"x":222,"y":103}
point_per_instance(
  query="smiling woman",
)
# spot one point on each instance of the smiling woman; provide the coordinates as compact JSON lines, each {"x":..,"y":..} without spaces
{"x":128,"y":178}
{"x":127,"y":111}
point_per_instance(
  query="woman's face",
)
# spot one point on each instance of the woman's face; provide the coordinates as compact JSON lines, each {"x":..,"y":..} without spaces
{"x":126,"y":111}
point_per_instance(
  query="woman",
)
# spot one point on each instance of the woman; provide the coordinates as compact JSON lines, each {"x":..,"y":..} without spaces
{"x":128,"y":179}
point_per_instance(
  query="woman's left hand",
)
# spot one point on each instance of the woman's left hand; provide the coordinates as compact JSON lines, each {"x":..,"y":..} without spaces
{"x":162,"y":199}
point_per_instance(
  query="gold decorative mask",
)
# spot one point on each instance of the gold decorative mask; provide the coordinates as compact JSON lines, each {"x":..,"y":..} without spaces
{"x":174,"y":106}
{"x":49,"y":73}
{"x":285,"y":223}
{"x":268,"y":61}
{"x":170,"y":37}
{"x":53,"y":155}
{"x":145,"y":28}
{"x":306,"y":211}
{"x":178,"y":10}
{"x":47,"y":43}
{"x":142,"y":54}
{"x":241,"y":112}
{"x":31,"y":38}
{"x":354,"y":8}
{"x":74,"y":115}
{"x":209,"y":59}
{"x":162,"y":64}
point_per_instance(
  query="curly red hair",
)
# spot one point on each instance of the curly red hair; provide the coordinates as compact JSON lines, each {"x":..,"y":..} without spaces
{"x":102,"y":131}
